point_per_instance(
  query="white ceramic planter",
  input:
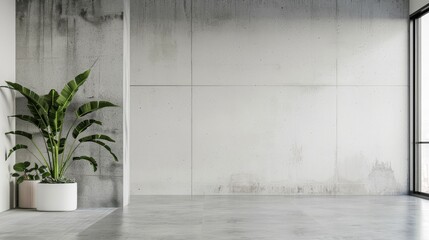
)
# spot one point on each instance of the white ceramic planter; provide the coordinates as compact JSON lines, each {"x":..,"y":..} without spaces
{"x":27,"y":194}
{"x":56,"y":197}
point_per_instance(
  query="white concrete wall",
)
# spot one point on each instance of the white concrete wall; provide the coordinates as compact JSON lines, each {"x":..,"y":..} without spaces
{"x":417,"y":4}
{"x":269,"y":97}
{"x":7,"y":103}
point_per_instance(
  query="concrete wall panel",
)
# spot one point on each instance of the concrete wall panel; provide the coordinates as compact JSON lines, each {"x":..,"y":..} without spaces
{"x":372,"y":157}
{"x":58,"y":40}
{"x":369,"y":36}
{"x":161,"y":140}
{"x":161,"y":41}
{"x":264,"y":140}
{"x":264,"y":42}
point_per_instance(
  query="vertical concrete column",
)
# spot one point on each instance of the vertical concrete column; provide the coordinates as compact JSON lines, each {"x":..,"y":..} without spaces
{"x":56,"y":40}
{"x":126,"y":103}
{"x":7,"y":106}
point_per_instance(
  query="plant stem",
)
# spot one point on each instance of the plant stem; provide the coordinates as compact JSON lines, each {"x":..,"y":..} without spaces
{"x":58,"y":149}
{"x":54,"y":158}
{"x":67,"y":136}
{"x":47,"y":150}
{"x":38,"y":149}
{"x":70,"y":151}
{"x":35,"y":156}
{"x":65,"y":167}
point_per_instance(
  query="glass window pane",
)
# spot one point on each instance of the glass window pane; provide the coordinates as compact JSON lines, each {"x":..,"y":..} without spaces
{"x":424,"y":78}
{"x":424,"y":168}
{"x":422,"y":171}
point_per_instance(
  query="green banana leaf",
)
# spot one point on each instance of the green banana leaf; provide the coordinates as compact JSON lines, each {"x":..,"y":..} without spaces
{"x":55,"y":142}
{"x":39,"y":115}
{"x":56,"y":117}
{"x":29,"y":95}
{"x":70,"y":89}
{"x":16,"y":148}
{"x":93,"y":106}
{"x":27,"y":118}
{"x":82,"y":126}
{"x":36,"y":104}
{"x":106,"y":147}
{"x":21,"y":133}
{"x":89,"y":159}
{"x":96,"y":137}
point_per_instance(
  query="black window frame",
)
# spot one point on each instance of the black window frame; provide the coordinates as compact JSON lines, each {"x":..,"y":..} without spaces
{"x":414,"y":84}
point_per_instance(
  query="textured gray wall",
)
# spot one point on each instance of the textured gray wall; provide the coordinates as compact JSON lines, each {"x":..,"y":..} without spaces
{"x":269,"y":97}
{"x":56,"y":40}
{"x":417,"y":4}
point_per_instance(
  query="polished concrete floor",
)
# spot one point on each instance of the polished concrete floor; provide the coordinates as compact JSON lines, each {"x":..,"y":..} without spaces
{"x":230,"y":217}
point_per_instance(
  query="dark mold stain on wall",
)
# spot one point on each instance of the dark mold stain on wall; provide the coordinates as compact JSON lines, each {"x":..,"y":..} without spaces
{"x":244,"y":183}
{"x":297,"y":153}
{"x":59,"y":11}
{"x":92,"y":17}
{"x":62,"y":22}
{"x":22,"y":7}
{"x":381,"y":179}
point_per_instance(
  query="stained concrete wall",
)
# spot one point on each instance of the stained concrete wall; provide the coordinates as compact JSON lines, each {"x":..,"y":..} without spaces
{"x":56,"y":40}
{"x":417,"y":4}
{"x":7,"y":103}
{"x":269,"y":97}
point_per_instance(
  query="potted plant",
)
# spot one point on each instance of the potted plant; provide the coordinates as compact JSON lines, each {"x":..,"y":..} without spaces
{"x":56,"y":192}
{"x":27,"y":179}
